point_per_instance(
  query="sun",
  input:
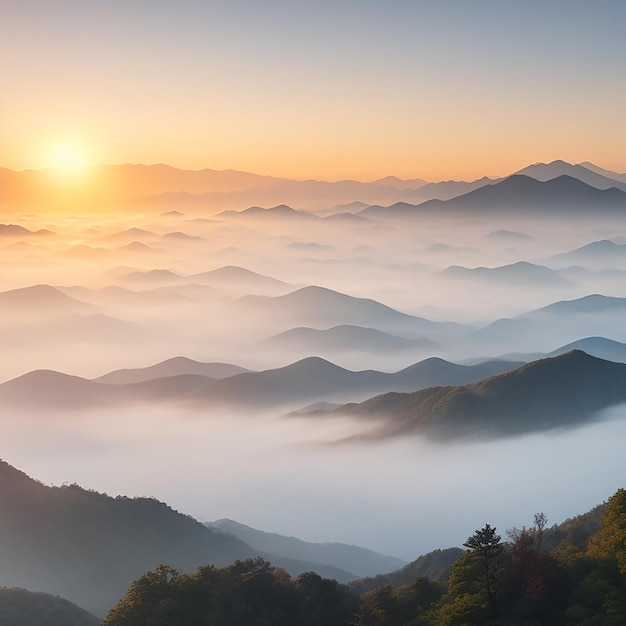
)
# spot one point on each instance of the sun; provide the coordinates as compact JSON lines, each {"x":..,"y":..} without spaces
{"x":67,"y":158}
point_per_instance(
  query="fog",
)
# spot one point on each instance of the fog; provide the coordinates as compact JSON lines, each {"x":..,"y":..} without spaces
{"x":403,"y":497}
{"x":79,"y":296}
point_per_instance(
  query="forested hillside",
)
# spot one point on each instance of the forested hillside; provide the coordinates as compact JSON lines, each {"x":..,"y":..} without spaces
{"x":580,"y":581}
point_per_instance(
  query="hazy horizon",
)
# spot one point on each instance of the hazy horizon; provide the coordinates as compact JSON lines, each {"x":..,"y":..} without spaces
{"x":340,"y":183}
{"x":436,"y":90}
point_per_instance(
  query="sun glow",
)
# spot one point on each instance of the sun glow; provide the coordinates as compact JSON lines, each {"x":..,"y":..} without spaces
{"x":69,"y":159}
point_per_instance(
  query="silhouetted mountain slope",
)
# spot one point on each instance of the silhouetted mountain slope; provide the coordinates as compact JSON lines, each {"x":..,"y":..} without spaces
{"x":314,"y":379}
{"x":520,"y":273}
{"x":508,"y":235}
{"x":15,"y":231}
{"x":304,"y":194}
{"x":434,"y":370}
{"x":435,"y":565}
{"x":235,"y":278}
{"x":361,"y":561}
{"x":41,"y":300}
{"x":345,"y":337}
{"x":171,"y":367}
{"x":181,"y":237}
{"x":564,"y":196}
{"x":562,"y":391}
{"x":594,"y":303}
{"x":400,"y":183}
{"x":603,"y":251}
{"x":603,"y":172}
{"x":88,"y":547}
{"x":281,"y":211}
{"x":47,"y":388}
{"x":229,"y":278}
{"x":447,"y":189}
{"x":600,"y":347}
{"x":20,"y":607}
{"x":304,"y":381}
{"x":308,"y":380}
{"x":548,"y":171}
{"x":113,"y":296}
{"x":318,"y":306}
{"x":563,"y":321}
{"x":50,"y":390}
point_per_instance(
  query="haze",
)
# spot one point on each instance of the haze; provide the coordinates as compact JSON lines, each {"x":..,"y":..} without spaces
{"x":220,"y":222}
{"x":87,"y":294}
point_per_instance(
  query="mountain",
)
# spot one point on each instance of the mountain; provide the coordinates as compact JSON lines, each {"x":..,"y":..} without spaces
{"x":400,"y":183}
{"x":435,"y":565}
{"x":88,"y":547}
{"x":125,"y":183}
{"x":361,"y":561}
{"x":607,"y":173}
{"x":281,"y":211}
{"x":345,"y":337}
{"x":548,"y":171}
{"x":15,"y":231}
{"x":594,"y":303}
{"x":20,"y":607}
{"x":309,"y":380}
{"x":558,"y":392}
{"x":181,"y":237}
{"x":171,"y":367}
{"x":600,"y":347}
{"x":604,"y":252}
{"x":314,"y":379}
{"x":228,"y":278}
{"x":48,"y":390}
{"x":520,"y":273}
{"x":313,"y":195}
{"x":318,"y":306}
{"x":242,"y":280}
{"x":40,"y":300}
{"x":562,"y":196}
{"x":114,"y":295}
{"x":560,"y":322}
{"x":436,"y":371}
{"x":448,"y":189}
{"x":508,"y":235}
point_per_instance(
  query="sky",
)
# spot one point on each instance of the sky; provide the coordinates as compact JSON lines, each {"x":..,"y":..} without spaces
{"x":332,"y":89}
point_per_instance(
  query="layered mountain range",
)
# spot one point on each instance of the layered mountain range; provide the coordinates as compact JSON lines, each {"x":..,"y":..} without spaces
{"x":300,"y":351}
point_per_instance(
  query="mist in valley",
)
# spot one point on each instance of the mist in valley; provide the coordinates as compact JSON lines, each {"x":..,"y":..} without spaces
{"x":86,"y":294}
{"x":402,"y":497}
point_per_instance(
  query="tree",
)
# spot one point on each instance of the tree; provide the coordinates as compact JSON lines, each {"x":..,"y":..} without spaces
{"x":530,"y":581}
{"x":485,"y":544}
{"x":610,"y":542}
{"x":540,"y":521}
{"x":473,"y":587}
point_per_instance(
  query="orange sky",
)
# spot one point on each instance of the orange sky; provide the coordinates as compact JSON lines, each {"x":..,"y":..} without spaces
{"x":336,"y":90}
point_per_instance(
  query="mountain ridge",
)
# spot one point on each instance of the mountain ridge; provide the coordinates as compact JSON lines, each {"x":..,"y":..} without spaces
{"x":562,"y":391}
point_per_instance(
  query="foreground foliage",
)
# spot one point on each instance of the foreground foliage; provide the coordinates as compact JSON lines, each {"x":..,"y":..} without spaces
{"x":579,"y":582}
{"x":247,"y":593}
